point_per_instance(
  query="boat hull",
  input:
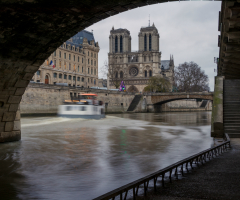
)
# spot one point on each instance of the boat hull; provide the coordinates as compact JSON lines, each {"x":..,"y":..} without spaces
{"x":81,"y":111}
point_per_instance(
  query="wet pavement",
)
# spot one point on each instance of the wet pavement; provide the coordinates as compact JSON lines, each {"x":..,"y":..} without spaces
{"x":61,"y":158}
{"x":218,"y":179}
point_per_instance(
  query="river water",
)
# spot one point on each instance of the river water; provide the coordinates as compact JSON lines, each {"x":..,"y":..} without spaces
{"x":61,"y":158}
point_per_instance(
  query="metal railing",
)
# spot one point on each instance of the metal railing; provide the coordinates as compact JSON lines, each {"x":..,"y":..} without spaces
{"x":131,"y":190}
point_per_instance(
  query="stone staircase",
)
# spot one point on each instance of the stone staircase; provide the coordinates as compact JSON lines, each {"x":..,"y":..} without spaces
{"x":231,"y":107}
{"x":204,"y":103}
{"x":134,"y":103}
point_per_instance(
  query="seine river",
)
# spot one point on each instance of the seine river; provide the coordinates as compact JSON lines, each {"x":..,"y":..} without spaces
{"x":61,"y":158}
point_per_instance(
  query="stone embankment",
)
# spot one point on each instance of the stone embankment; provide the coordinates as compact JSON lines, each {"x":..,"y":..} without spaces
{"x":44,"y":99}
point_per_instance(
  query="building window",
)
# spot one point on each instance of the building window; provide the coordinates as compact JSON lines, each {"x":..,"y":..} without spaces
{"x":64,"y":55}
{"x":150,"y":42}
{"x":94,"y":63}
{"x":145,"y":73}
{"x":78,"y":68}
{"x":69,"y":77}
{"x":82,"y":60}
{"x":91,"y":80}
{"x":116,"y":75}
{"x":74,"y":78}
{"x":88,"y":61}
{"x":94,"y":82}
{"x":55,"y":63}
{"x":73,"y":57}
{"x":116,"y":44}
{"x":121,"y":74}
{"x":69,"y":56}
{"x":121,"y":45}
{"x":145,"y":42}
{"x":65,"y":65}
{"x":88,"y":70}
{"x":69,"y":66}
{"x":60,"y":64}
{"x":88,"y":79}
{"x":82,"y":79}
{"x":54,"y":53}
{"x":88,"y":53}
{"x":94,"y":71}
{"x":78,"y":58}
{"x":91,"y":71}
{"x":55,"y":75}
{"x":78,"y":78}
{"x":82,"y":69}
{"x":91,"y":62}
{"x":150,"y":73}
{"x":65,"y":76}
{"x":59,"y":54}
{"x":91,"y":54}
{"x":60,"y":75}
{"x":94,"y":55}
{"x":38,"y":72}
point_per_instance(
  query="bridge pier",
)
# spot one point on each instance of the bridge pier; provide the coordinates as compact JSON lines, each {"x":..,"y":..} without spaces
{"x":157,"y":108}
{"x":10,"y":126}
{"x":10,"y":97}
{"x":217,"y":129}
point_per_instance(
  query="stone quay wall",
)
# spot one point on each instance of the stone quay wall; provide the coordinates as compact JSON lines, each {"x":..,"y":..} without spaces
{"x":44,"y":99}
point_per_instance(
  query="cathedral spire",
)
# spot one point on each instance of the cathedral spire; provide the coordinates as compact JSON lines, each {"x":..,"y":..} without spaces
{"x":113,"y":28}
{"x":153,"y":24}
{"x":149,"y":21}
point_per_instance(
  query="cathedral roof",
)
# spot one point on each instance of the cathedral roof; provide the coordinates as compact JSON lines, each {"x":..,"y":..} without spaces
{"x":165,"y":64}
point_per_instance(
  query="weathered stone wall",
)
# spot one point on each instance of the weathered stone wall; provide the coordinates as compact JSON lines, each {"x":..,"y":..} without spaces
{"x":41,"y":98}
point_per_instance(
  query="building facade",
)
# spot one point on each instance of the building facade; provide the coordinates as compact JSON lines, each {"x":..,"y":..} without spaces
{"x":136,"y":67}
{"x":74,"y":63}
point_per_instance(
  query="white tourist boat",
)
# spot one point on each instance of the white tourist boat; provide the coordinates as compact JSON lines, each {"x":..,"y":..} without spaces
{"x":84,"y":106}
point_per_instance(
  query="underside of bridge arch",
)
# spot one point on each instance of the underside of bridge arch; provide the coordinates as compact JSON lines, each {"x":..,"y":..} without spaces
{"x":30,"y":30}
{"x":158,"y":106}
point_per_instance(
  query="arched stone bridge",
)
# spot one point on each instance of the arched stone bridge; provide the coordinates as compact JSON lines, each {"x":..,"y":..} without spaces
{"x":30,"y":30}
{"x":161,"y":98}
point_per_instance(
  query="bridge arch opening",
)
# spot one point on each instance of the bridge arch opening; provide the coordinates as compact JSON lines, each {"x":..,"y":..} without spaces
{"x":158,"y":107}
{"x":30,"y":43}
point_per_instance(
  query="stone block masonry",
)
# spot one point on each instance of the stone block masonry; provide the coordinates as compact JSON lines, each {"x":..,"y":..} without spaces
{"x":44,"y":99}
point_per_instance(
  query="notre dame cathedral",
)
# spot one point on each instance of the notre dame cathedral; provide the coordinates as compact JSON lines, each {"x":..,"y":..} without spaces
{"x":135,"y":67}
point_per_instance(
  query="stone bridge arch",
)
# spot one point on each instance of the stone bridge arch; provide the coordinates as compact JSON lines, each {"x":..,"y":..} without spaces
{"x":158,"y":99}
{"x":167,"y":97}
{"x":30,"y":32}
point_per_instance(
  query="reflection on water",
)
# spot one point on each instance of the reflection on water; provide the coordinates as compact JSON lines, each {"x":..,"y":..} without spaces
{"x":60,"y":158}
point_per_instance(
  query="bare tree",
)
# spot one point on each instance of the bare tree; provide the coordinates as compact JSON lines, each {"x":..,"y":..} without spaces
{"x":190,"y":78}
{"x":111,"y":72}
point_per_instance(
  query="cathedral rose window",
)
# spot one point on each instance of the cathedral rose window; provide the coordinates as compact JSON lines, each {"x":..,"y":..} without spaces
{"x":133,"y":71}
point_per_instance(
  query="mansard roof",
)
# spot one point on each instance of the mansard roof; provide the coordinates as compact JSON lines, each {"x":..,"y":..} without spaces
{"x":78,"y":38}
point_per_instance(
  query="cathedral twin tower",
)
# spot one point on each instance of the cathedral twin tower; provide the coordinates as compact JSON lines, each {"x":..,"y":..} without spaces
{"x":135,"y":68}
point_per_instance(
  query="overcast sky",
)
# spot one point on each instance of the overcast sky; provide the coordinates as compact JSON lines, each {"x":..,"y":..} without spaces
{"x":188,"y":30}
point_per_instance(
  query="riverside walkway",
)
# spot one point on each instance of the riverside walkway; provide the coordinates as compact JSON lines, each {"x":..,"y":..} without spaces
{"x":217,"y":179}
